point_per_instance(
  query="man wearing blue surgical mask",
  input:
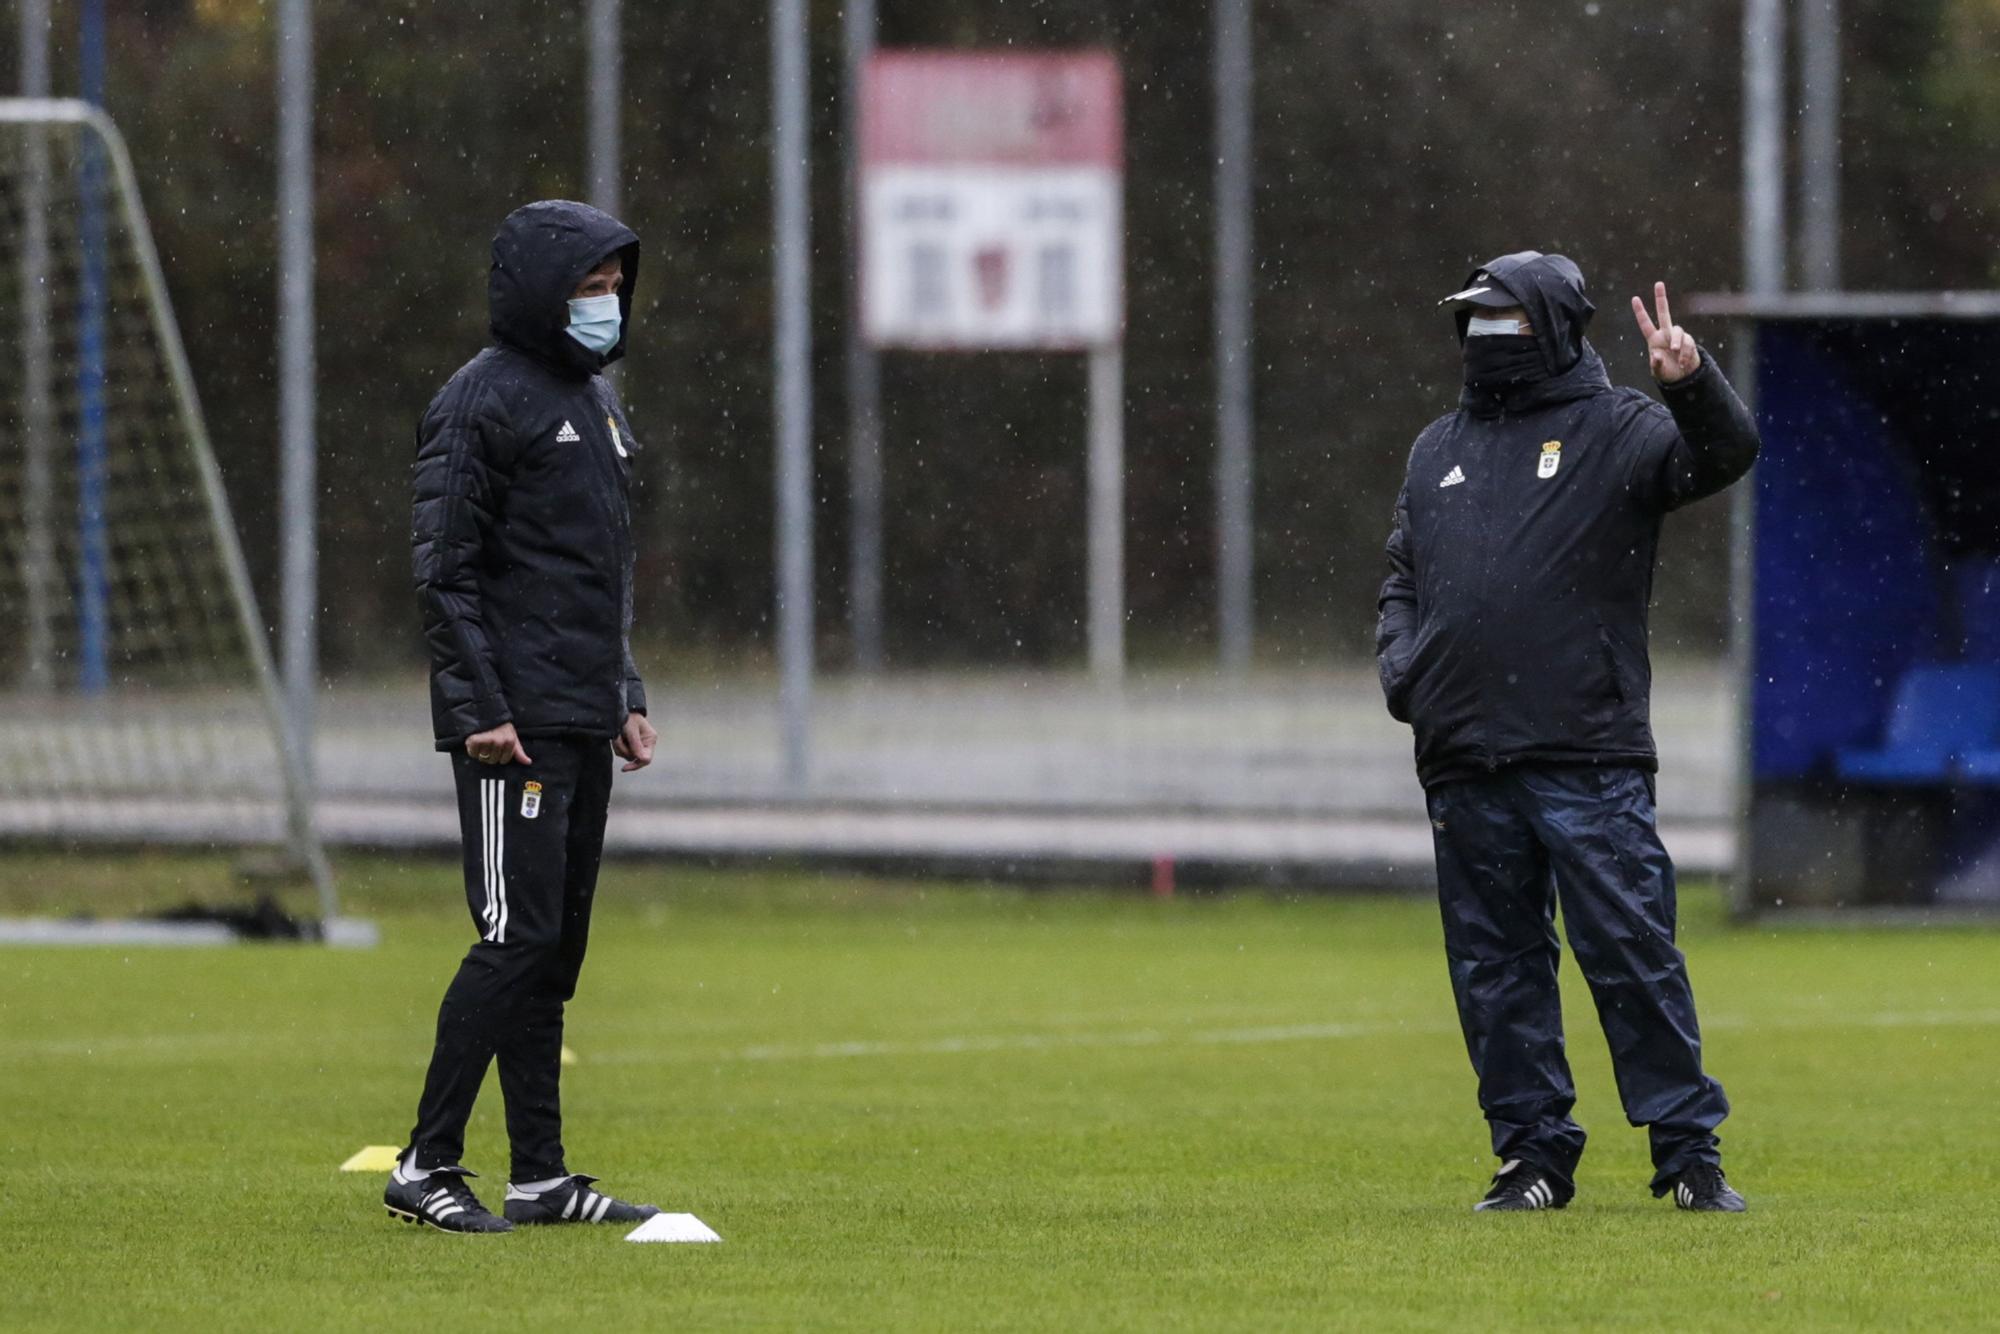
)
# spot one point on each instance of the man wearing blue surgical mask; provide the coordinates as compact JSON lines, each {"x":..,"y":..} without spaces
{"x":595,"y":317}
{"x":523,"y":556}
{"x":1513,"y":640}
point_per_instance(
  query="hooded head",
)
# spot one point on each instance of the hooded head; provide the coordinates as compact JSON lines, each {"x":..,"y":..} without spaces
{"x":540,"y":254}
{"x":1548,"y":288}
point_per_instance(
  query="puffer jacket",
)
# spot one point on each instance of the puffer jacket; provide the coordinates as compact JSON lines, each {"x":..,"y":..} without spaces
{"x":521,"y":534}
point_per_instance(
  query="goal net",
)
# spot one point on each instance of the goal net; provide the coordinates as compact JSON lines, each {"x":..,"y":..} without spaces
{"x":137,"y":699}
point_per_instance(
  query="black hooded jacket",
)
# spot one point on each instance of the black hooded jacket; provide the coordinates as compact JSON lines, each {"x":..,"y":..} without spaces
{"x":521,"y":537}
{"x":1513,"y":624}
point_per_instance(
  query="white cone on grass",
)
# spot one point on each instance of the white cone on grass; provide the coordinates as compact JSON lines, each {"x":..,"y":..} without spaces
{"x":673,"y":1227}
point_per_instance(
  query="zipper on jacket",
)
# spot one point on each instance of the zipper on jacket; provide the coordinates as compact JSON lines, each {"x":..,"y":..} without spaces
{"x":627,"y":556}
{"x":1485,"y":509}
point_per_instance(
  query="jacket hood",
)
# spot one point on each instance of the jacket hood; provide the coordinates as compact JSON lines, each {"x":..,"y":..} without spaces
{"x":541,"y":252}
{"x":1550,"y":289}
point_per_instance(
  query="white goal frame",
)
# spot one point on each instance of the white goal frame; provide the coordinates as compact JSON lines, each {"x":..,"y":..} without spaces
{"x":301,"y":831}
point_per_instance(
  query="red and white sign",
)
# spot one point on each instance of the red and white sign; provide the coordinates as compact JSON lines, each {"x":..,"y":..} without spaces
{"x":992,"y":200}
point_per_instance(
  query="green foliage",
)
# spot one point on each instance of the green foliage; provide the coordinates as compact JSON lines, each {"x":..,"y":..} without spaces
{"x":1962,"y":87}
{"x":1398,"y":145}
{"x":911,"y":1106}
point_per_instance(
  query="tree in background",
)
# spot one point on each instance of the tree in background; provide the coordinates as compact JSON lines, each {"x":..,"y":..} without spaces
{"x":1398,"y":146}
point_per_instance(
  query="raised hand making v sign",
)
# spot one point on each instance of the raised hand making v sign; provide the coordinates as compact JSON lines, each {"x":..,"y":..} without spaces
{"x":1670,"y":350}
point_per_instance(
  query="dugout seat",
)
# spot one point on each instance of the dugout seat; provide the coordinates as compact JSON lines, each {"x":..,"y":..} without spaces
{"x":1981,"y":767}
{"x":1943,"y":716}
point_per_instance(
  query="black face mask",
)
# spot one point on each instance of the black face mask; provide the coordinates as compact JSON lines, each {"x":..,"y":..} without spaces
{"x":1494,"y":361}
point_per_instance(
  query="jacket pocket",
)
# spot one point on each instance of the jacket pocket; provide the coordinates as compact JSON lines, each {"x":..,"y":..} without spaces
{"x":1395,"y":680}
{"x":1604,"y":696}
{"x":1400,"y":679}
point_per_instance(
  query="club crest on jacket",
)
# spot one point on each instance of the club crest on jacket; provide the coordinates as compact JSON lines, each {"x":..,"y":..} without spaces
{"x":1552,"y":457}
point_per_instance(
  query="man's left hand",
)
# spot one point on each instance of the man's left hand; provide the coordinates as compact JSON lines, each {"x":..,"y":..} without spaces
{"x":635,"y":742}
{"x":1669,"y":348}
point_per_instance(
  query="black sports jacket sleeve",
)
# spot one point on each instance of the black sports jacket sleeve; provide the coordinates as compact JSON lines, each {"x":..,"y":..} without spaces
{"x":464,"y":449}
{"x":1709,"y":441}
{"x":1396,"y":620}
{"x":635,"y":689}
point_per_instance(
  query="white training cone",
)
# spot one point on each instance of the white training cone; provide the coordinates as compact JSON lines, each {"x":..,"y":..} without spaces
{"x":673,"y":1227}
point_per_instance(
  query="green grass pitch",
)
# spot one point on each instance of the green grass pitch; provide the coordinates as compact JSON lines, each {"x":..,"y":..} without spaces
{"x":927,"y":1107}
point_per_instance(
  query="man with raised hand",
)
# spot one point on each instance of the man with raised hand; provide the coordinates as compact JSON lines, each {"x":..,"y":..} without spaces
{"x":1513,"y":639}
{"x":522,"y":544}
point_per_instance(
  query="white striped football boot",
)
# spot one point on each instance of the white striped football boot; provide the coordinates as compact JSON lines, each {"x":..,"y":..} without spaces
{"x":1702,"y":1190}
{"x":441,"y":1200}
{"x":572,"y":1202}
{"x":1517,"y":1186}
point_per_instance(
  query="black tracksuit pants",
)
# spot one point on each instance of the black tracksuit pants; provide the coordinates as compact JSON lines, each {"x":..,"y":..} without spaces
{"x":1511,"y":845}
{"x":533,"y":835}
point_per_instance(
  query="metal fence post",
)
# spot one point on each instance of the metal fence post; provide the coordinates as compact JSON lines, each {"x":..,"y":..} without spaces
{"x":792,"y":381}
{"x":607,"y":93}
{"x":864,"y":376}
{"x":1107,"y":512}
{"x":1234,"y":403}
{"x":298,"y":483}
{"x":1764,"y":146}
{"x":1819,"y":145}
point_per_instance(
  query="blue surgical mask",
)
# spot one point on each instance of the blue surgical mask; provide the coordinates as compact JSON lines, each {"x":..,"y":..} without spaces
{"x":1475,"y":327}
{"x":594,"y":321}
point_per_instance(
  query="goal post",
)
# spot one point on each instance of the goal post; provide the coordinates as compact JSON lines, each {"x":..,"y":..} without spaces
{"x":140,"y":700}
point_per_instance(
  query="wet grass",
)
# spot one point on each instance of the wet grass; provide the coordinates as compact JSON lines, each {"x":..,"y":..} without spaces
{"x":910,"y":1106}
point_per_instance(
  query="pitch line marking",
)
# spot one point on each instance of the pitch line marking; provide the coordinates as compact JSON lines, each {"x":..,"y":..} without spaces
{"x":184,"y":1045}
{"x":1145,"y":1037}
{"x":976,"y":1044}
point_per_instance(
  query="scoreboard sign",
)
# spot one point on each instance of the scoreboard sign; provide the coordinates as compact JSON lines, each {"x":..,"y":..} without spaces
{"x":991,"y":200}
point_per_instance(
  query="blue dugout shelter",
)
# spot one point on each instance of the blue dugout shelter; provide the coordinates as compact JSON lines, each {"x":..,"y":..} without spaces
{"x":1868,"y":582}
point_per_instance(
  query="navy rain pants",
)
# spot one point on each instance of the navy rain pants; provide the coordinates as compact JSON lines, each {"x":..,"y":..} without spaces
{"x":1508,"y":847}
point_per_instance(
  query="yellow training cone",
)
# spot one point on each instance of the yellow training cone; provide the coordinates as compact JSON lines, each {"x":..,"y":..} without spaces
{"x":373,"y":1158}
{"x":568,"y":1056}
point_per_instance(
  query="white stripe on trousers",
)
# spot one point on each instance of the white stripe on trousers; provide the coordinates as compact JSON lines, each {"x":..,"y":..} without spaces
{"x":493,"y":855}
{"x":486,"y":854}
{"x":500,"y":856}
